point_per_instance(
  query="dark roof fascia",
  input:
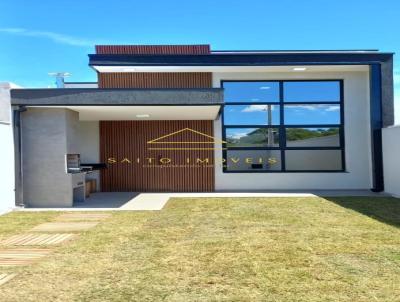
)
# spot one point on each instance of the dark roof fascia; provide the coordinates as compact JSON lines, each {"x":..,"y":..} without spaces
{"x":232,"y":59}
{"x":116,"y":97}
{"x":296,"y":50}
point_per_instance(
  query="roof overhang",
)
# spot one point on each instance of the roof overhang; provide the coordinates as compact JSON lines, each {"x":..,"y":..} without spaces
{"x":117,"y":97}
{"x":243,"y":59}
{"x":145,"y":113}
{"x":231,"y":69}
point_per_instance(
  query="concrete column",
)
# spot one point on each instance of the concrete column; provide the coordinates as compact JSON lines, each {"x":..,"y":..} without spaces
{"x":48,"y":134}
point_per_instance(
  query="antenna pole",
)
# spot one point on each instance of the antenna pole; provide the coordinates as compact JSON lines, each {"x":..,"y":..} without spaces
{"x":60,"y":76}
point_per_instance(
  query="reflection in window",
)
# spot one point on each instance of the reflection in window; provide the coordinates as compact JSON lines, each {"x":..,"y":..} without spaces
{"x":252,"y":137}
{"x":329,"y":160}
{"x":251,"y":115}
{"x":312,"y":137}
{"x":309,"y":91}
{"x":303,"y":124}
{"x":312,"y":114}
{"x":253,"y":160}
{"x":253,"y":92}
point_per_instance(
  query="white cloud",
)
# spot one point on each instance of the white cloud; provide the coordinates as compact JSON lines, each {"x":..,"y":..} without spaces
{"x":265,"y":87}
{"x":255,"y":108}
{"x":315,"y":107}
{"x":55,"y":37}
{"x":332,"y":108}
{"x":306,"y":107}
{"x":237,"y":135}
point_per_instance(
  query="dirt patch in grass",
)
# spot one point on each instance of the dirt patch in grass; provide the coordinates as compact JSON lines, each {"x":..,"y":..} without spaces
{"x":224,"y":249}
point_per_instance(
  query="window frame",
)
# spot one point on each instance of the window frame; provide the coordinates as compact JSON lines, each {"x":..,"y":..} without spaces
{"x":282,"y":127}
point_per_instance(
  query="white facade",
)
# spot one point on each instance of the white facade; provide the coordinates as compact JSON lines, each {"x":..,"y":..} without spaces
{"x":7,"y":174}
{"x":358,"y":173}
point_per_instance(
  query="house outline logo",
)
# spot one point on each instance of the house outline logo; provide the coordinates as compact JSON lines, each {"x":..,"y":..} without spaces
{"x":158,"y":141}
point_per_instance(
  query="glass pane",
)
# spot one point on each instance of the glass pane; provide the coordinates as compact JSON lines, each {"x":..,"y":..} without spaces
{"x":313,"y":160}
{"x":312,"y":114}
{"x":324,"y":91}
{"x":251,"y":115}
{"x":252,"y":137}
{"x":251,"y":92}
{"x":253,"y":160}
{"x":312,"y":137}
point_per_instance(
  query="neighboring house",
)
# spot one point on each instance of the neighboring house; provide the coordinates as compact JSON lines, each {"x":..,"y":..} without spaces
{"x":185,"y":118}
{"x":7,"y":176}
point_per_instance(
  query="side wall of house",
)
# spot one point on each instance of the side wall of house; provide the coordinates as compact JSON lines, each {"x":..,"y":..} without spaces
{"x":7,"y":201}
{"x":391,"y":159}
{"x":357,"y":141}
{"x":48,"y":134}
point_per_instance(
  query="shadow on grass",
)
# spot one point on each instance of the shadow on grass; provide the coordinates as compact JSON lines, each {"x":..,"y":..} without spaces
{"x":383,"y":209}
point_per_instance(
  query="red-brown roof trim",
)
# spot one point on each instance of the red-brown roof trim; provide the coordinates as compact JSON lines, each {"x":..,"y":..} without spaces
{"x":154,"y":49}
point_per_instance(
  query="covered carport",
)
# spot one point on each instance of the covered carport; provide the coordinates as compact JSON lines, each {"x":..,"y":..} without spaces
{"x":52,"y":124}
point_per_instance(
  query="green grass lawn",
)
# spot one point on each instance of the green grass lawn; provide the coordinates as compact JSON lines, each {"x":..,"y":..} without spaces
{"x":218,"y":249}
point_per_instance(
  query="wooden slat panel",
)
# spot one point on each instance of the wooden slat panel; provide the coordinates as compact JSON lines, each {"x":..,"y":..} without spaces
{"x":128,"y":140}
{"x":155,"y":80}
{"x":37,"y":239}
{"x":153,"y":49}
{"x":21,"y":256}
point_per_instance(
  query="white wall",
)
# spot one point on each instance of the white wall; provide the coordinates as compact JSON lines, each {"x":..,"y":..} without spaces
{"x":7,"y":175}
{"x":89,"y":146}
{"x":391,"y":159}
{"x":80,"y":85}
{"x":357,"y":137}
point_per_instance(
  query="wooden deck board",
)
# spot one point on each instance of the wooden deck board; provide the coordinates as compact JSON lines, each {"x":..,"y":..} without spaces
{"x":21,"y":256}
{"x":37,"y":239}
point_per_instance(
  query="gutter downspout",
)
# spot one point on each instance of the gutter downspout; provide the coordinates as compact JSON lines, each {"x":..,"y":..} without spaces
{"x":19,"y":196}
{"x":376,"y":123}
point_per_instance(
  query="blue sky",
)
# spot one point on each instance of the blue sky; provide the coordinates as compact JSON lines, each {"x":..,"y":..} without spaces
{"x":259,"y":93}
{"x":37,"y":37}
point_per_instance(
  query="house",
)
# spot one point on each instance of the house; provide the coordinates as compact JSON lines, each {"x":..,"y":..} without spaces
{"x":184,"y":118}
{"x":7,"y":149}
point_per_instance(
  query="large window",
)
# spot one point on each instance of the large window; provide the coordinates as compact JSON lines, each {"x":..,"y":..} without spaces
{"x":283,"y":126}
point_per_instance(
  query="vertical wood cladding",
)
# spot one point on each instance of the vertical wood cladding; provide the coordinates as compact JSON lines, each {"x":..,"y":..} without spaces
{"x":155,"y":80}
{"x":138,"y":167}
{"x":153,"y":49}
{"x":151,"y":79}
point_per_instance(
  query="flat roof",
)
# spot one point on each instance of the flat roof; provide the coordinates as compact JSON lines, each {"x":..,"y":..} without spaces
{"x":297,"y":50}
{"x":116,"y":97}
{"x":246,"y":58}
